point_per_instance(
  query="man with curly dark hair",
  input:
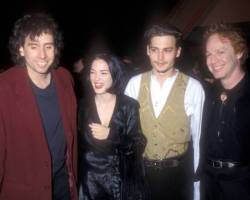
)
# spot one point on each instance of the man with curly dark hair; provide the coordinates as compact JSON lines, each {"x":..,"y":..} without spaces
{"x":37,"y":116}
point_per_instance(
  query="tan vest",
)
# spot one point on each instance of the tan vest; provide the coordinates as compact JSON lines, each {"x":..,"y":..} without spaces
{"x":168,"y":135}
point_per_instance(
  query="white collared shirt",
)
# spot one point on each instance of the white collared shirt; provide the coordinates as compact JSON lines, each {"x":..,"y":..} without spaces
{"x":193,"y":104}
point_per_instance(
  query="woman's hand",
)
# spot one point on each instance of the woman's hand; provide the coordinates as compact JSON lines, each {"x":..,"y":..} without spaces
{"x":99,"y":131}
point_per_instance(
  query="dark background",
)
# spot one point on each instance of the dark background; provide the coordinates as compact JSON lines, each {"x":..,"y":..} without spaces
{"x":87,"y":25}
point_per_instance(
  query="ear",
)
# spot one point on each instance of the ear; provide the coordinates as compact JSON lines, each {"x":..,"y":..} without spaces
{"x":239,"y":55}
{"x":21,"y":51}
{"x":178,"y":52}
{"x":148,"y":50}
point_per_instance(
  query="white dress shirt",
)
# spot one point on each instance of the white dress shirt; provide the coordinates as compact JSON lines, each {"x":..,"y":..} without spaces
{"x":193,"y":104}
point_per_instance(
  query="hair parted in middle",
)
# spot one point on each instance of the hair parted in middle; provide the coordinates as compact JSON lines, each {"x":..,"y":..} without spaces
{"x":163,"y":29}
{"x":116,"y":68}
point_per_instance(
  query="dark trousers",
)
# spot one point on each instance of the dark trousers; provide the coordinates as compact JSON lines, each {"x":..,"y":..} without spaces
{"x":226,"y":183}
{"x":173,"y":183}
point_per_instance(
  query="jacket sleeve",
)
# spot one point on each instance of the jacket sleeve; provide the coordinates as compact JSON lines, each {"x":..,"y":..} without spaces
{"x":134,"y":141}
{"x":133,"y":183}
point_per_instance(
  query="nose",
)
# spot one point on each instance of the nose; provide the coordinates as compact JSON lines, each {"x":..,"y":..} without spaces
{"x":96,"y":76}
{"x":42,"y":53}
{"x":160,"y":56}
{"x":213,"y":59}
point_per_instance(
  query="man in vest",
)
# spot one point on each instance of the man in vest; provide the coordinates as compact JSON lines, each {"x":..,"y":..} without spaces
{"x":171,"y":105}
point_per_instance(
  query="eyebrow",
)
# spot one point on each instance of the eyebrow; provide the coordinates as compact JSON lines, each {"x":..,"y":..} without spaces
{"x":102,"y":70}
{"x":36,"y":43}
{"x":168,"y":48}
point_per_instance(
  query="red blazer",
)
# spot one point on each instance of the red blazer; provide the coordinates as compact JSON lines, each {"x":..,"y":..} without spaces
{"x":25,"y":161}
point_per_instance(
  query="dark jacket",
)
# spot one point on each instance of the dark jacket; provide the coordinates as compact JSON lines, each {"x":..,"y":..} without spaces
{"x":25,"y":161}
{"x":118,"y":157}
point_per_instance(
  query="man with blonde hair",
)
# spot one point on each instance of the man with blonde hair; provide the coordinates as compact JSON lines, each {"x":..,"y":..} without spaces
{"x":225,"y":143}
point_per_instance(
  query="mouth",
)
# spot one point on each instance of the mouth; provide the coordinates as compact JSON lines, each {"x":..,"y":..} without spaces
{"x":42,"y":64}
{"x":161,"y":64}
{"x":98,"y":85}
{"x":217,"y":68}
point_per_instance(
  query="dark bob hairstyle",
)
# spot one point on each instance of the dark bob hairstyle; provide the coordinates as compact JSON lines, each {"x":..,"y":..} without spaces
{"x":116,"y":70}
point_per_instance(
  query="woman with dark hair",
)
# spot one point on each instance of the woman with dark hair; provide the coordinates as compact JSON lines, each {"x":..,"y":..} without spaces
{"x":111,"y":142}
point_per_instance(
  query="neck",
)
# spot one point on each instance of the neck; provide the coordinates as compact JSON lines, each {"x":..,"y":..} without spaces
{"x":41,"y":81}
{"x":233,"y":80}
{"x":162,"y":76}
{"x":105,"y":98}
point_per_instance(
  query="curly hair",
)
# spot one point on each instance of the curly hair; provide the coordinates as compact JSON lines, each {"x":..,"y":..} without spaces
{"x":33,"y":25}
{"x":233,"y":33}
{"x":163,"y":30}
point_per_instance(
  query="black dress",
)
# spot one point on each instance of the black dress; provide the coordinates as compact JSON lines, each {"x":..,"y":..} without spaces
{"x":112,"y":168}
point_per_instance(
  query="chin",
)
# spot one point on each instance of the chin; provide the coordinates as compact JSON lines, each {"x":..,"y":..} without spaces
{"x":218,"y":75}
{"x":98,"y":92}
{"x":162,"y":70}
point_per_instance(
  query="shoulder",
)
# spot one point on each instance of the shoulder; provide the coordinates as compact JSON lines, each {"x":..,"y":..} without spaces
{"x":194,"y":92}
{"x":12,"y":72}
{"x":128,"y":102}
{"x":63,"y":72}
{"x":135,"y":80}
{"x":133,"y":86}
{"x":63,"y":75}
{"x":12,"y":76}
{"x":194,"y":84}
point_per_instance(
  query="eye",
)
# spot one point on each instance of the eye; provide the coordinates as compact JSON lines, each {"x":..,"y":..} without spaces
{"x":221,"y":52}
{"x":153,"y":50}
{"x":168,"y":50}
{"x":33,"y":46}
{"x":49,"y":47}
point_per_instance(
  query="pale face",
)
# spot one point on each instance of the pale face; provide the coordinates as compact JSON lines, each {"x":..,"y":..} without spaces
{"x":162,"y":52}
{"x":222,"y":61}
{"x":100,"y":76}
{"x":39,"y":54}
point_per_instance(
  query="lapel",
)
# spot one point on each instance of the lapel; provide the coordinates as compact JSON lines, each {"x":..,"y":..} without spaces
{"x":27,"y":109}
{"x":64,"y":101}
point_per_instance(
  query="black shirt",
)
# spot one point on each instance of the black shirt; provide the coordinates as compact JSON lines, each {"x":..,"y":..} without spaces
{"x":224,"y":127}
{"x":52,"y":123}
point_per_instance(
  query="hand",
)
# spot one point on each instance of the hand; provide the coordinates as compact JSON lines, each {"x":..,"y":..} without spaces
{"x":99,"y":131}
